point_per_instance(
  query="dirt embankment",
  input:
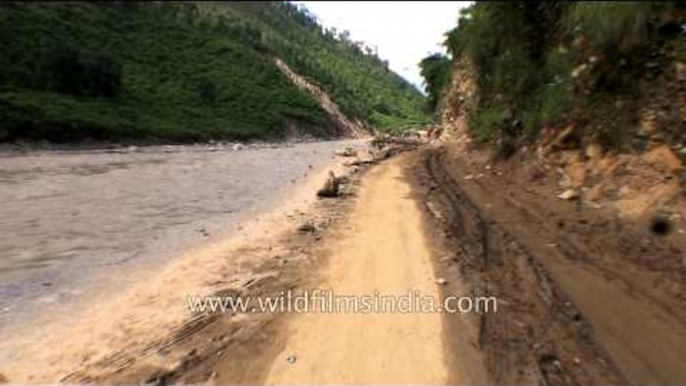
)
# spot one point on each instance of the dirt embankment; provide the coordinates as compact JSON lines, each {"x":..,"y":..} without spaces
{"x":587,"y":297}
{"x":585,"y":244}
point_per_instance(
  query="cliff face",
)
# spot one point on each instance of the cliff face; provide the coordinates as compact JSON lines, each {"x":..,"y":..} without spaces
{"x":458,"y":100}
{"x":560,"y":179}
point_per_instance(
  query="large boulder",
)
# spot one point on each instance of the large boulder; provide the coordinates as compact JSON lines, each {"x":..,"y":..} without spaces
{"x":331,"y":186}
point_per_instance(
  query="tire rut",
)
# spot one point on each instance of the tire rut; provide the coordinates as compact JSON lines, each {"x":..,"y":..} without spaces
{"x":543,"y":336}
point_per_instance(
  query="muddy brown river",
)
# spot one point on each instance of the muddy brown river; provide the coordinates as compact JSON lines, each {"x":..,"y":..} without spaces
{"x":81,"y":224}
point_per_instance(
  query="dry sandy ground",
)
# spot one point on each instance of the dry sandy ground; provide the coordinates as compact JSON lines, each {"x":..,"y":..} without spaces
{"x":150,"y":308}
{"x":370,"y":241}
{"x":78,"y":225}
{"x":383,"y":250}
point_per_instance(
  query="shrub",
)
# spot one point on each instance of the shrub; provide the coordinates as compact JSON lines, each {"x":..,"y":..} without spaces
{"x":525,"y":55}
{"x":610,"y":24}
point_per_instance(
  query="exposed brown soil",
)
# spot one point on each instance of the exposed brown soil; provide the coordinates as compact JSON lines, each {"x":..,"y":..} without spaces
{"x":586,"y":298}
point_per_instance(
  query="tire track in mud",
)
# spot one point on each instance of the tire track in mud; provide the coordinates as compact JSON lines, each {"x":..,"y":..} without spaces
{"x":570,"y":317}
{"x":539,"y":331}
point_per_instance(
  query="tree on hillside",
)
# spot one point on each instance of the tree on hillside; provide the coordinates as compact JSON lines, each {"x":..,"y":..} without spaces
{"x":435,"y":69}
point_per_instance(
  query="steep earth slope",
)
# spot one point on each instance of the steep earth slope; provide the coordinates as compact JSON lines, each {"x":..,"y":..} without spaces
{"x":559,"y":186}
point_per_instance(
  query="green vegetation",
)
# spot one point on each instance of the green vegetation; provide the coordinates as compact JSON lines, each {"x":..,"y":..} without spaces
{"x":435,"y":69}
{"x":181,"y":72}
{"x":358,"y":80}
{"x":551,"y":64}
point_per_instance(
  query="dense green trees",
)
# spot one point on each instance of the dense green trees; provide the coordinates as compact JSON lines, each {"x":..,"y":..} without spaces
{"x":549,"y":63}
{"x":350,"y":72}
{"x":435,"y":69}
{"x":180,"y":71}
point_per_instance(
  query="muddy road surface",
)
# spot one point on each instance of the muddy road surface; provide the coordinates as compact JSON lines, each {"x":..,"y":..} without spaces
{"x":78,"y":226}
{"x":586,"y":297}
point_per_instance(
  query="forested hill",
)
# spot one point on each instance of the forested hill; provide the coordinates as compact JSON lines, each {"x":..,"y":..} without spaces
{"x":184,"y":72}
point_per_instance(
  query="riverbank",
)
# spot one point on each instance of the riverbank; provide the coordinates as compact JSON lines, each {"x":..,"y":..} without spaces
{"x":97,"y":237}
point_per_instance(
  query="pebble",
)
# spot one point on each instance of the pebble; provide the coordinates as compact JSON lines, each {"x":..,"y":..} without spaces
{"x":568,"y":194}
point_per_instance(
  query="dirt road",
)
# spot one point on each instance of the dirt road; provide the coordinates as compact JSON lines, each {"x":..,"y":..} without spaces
{"x":583,"y":296}
{"x":589,"y":298}
{"x":384,"y":250}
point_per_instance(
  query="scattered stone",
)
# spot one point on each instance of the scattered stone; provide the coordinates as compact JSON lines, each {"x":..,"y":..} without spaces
{"x":213,"y":375}
{"x":359,"y":162}
{"x":662,"y":157}
{"x":237,"y":147}
{"x":468,"y":177}
{"x":577,"y":360}
{"x":434,"y":210}
{"x":347,"y":152}
{"x":567,"y":139}
{"x":576,"y":174}
{"x":331,"y":187}
{"x":307,"y":227}
{"x":594,"y":152}
{"x":568,"y":194}
{"x":441,"y":281}
{"x":577,"y":71}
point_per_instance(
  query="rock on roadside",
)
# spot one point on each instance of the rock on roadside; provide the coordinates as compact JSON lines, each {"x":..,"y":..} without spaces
{"x":331,"y":187}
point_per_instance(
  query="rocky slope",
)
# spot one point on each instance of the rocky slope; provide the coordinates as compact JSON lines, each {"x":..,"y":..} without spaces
{"x":578,"y":220}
